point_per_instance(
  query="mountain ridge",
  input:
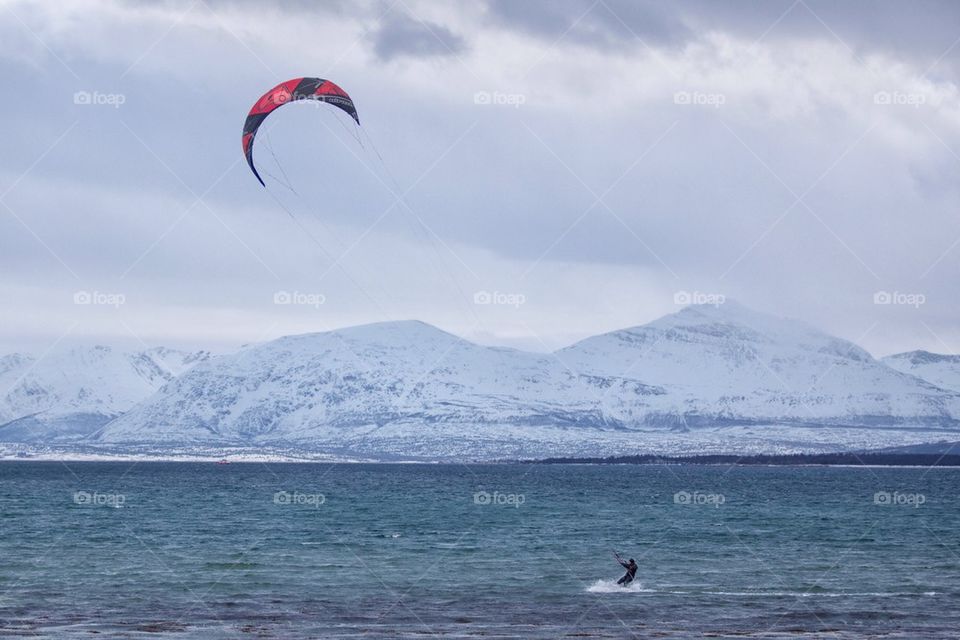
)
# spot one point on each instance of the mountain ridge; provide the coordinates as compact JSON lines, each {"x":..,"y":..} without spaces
{"x":939,"y":369}
{"x":408,"y":388}
{"x":70,"y":392}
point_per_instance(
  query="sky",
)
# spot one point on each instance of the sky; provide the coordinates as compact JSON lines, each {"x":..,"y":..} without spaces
{"x":526,"y":173}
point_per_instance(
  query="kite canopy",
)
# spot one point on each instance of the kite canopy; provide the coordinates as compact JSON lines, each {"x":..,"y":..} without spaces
{"x":291,"y":91}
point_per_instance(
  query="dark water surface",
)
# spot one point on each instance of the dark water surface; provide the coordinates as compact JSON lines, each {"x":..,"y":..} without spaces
{"x":482,"y":551}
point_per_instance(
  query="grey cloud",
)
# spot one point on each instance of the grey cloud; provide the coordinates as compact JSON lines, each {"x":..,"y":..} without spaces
{"x":924,"y":29}
{"x":699,"y":200}
{"x":401,"y":35}
{"x":603,"y":25}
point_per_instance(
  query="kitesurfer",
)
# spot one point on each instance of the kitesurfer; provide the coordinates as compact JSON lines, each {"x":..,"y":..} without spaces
{"x":631,"y":567}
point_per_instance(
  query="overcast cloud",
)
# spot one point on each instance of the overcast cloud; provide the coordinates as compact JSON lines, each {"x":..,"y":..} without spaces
{"x":592,"y":160}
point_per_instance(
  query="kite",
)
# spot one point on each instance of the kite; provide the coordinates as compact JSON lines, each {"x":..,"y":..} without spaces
{"x":285,"y":93}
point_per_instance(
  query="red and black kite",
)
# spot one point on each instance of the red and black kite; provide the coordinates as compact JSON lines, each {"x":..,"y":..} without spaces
{"x":291,"y":91}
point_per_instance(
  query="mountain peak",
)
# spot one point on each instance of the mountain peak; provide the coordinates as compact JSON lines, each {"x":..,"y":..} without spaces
{"x":937,"y":368}
{"x":730,"y":312}
{"x":920,"y":357}
{"x":384,"y":332}
{"x":731,"y":319}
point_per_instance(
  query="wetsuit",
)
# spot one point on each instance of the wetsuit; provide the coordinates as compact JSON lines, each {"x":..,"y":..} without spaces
{"x":630,"y":574}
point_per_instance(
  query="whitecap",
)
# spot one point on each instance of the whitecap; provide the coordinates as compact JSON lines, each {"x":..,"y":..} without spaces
{"x":611,"y":586}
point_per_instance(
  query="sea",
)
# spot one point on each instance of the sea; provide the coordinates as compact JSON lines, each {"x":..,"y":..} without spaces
{"x":282,"y":550}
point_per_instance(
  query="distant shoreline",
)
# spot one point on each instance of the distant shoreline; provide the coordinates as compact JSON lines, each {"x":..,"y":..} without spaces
{"x":853,"y":459}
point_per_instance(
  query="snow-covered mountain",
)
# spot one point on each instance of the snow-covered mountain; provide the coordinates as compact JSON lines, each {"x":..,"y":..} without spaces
{"x":941,"y":370}
{"x":705,"y":379}
{"x":306,"y":388}
{"x":407,"y":388}
{"x":728,"y":364}
{"x":70,"y":393}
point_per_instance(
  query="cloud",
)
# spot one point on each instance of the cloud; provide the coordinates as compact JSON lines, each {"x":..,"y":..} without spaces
{"x":924,"y":29}
{"x":604,"y":25}
{"x":401,"y":35}
{"x":697,"y":194}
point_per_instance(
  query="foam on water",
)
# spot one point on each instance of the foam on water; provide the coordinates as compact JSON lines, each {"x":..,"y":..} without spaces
{"x":611,"y":586}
